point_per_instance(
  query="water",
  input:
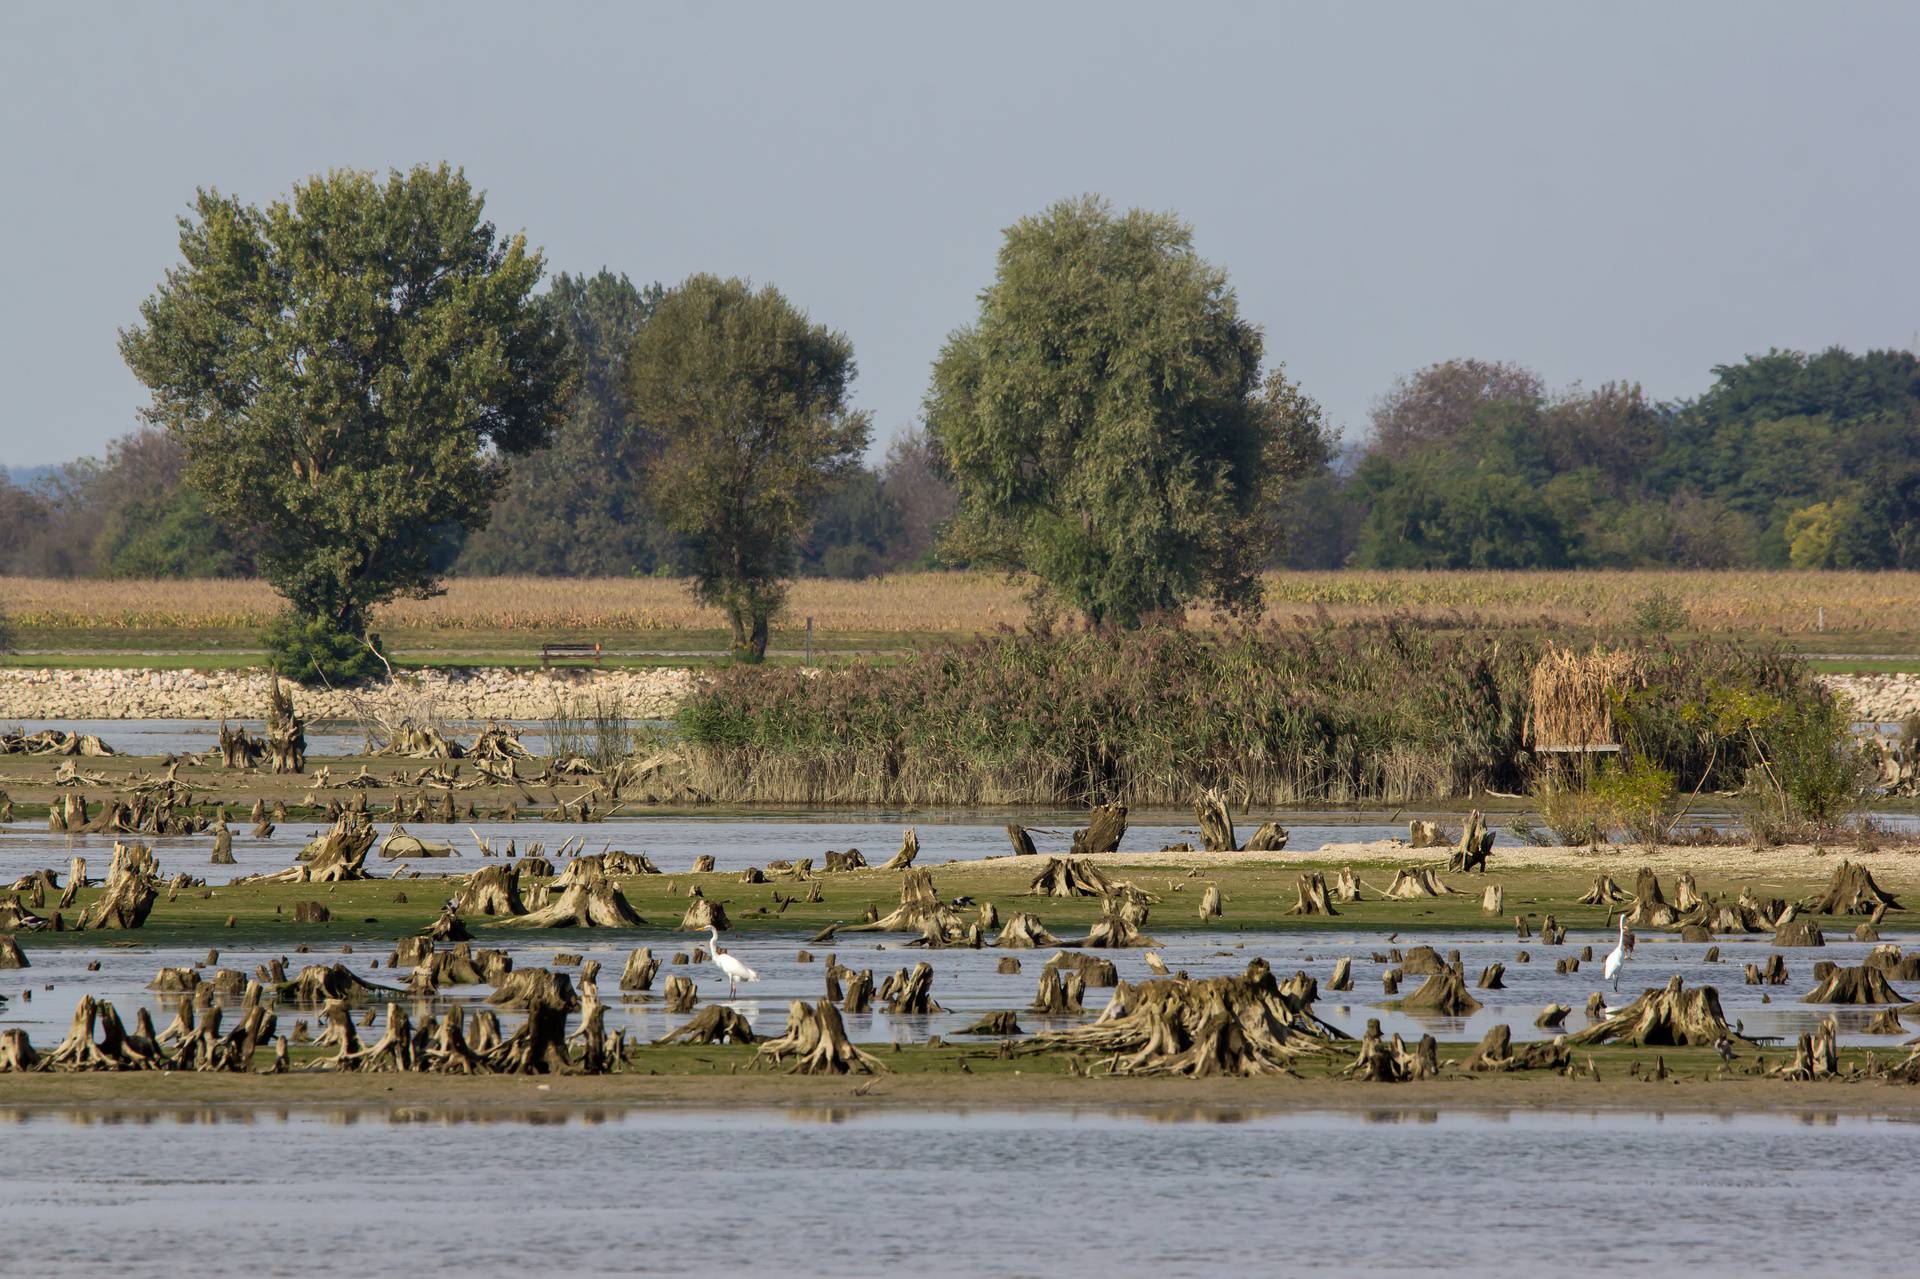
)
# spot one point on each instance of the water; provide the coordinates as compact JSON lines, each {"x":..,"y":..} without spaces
{"x":968,"y":987}
{"x":823,"y":1191}
{"x":673,"y":842}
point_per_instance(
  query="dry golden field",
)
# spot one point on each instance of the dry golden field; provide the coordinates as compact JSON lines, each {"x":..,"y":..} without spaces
{"x":962,"y":603}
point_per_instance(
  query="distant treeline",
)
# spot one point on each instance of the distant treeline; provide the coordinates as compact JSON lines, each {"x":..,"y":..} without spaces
{"x":1786,"y":460}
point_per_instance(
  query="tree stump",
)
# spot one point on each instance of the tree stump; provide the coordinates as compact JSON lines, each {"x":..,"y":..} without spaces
{"x":491,"y":890}
{"x":1799,"y":934}
{"x":1007,"y":965}
{"x":911,"y":993}
{"x":1342,"y":978}
{"x":859,"y":997}
{"x":1346,"y":886}
{"x":1123,"y":912}
{"x":1024,"y":931}
{"x":1216,"y":822}
{"x":1851,"y":891}
{"x":10,"y":954}
{"x":1604,"y":892}
{"x":129,"y":892}
{"x":1650,"y":907}
{"x":909,"y":849}
{"x":1444,"y":993}
{"x":1686,"y":894}
{"x":1493,"y":900}
{"x":1056,"y":997}
{"x":815,"y":1043}
{"x":1410,"y":885}
{"x":681,"y":994}
{"x":1861,"y":985}
{"x":1310,"y":891}
{"x":1424,"y":834}
{"x":1069,"y":877}
{"x":639,"y":971}
{"x":716,"y":1023}
{"x":920,"y":911}
{"x":1475,"y":846}
{"x":1493,"y":977}
{"x":222,"y":848}
{"x":598,"y":903}
{"x":1672,"y":1017}
{"x":1270,"y":838}
{"x":1210,"y":901}
{"x":529,"y":986}
{"x":1815,"y":1056}
{"x":1103,"y":830}
{"x":1552,"y":1017}
{"x":1003,"y":1024}
{"x":1021,"y":841}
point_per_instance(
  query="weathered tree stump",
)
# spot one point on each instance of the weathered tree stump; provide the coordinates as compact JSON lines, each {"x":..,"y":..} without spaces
{"x":716,"y":1023}
{"x":1493,"y":977}
{"x":1123,"y":912}
{"x":526,"y":987}
{"x":1069,"y":877}
{"x":1271,"y":837}
{"x":1003,"y":1023}
{"x":1604,"y":892}
{"x":1861,"y":985}
{"x":1210,"y":901}
{"x":11,"y":955}
{"x":1815,"y":1056}
{"x":491,"y":890}
{"x":129,"y":892}
{"x":680,"y":994}
{"x":859,"y":998}
{"x":1342,"y":978}
{"x":1799,"y":934}
{"x":1673,"y":1016}
{"x":1552,"y":1016}
{"x":1024,"y":931}
{"x":1216,"y":822}
{"x":911,"y":993}
{"x":1346,"y":886}
{"x":1475,"y":846}
{"x":1310,"y":891}
{"x":1444,"y":993}
{"x":909,"y":849}
{"x":1851,"y":891}
{"x":1102,"y":833}
{"x":920,"y":911}
{"x":1409,"y":885}
{"x":1424,"y":834}
{"x":815,"y":1043}
{"x":639,"y":971}
{"x":1021,"y":841}
{"x":598,"y":903}
{"x":1007,"y":965}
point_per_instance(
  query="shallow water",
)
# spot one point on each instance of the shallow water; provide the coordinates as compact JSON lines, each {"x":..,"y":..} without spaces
{"x":1064,"y":1193}
{"x":967,"y":986}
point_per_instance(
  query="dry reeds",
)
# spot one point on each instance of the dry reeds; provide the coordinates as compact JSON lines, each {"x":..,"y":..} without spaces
{"x":1572,"y":696}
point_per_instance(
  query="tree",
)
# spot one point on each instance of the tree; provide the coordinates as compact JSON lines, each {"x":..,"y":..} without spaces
{"x":349,"y":369}
{"x":915,"y":480}
{"x":577,"y":507}
{"x":748,"y":399}
{"x":1442,"y":402}
{"x":1103,"y":419}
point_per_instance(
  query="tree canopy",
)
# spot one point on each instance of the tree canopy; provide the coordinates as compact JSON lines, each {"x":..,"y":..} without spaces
{"x":748,"y":400}
{"x":1104,"y":420}
{"x":349,"y":369}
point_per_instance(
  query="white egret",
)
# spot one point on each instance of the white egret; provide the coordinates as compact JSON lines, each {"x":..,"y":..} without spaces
{"x":1616,"y":956}
{"x":732,"y":969}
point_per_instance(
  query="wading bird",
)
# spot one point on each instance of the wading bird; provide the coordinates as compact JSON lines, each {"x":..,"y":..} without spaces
{"x":1616,"y":956}
{"x":734,"y":971}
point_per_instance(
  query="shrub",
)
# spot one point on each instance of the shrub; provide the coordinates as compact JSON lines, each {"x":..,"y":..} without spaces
{"x":1638,"y":798}
{"x":1819,"y":765}
{"x":1576,"y":817}
{"x":1659,"y":613}
{"x":315,"y":651}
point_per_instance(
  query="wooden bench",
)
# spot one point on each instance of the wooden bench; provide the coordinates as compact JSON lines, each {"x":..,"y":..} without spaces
{"x":551,"y":653}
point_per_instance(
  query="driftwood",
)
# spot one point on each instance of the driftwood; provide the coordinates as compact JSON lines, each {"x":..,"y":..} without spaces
{"x":815,"y":1043}
{"x":1103,"y":830}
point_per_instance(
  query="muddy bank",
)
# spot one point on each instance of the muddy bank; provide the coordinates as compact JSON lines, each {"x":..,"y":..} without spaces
{"x":462,"y":693}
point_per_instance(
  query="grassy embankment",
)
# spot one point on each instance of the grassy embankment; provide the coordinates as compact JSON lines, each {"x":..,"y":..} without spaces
{"x":504,"y":620}
{"x":1257,"y":890}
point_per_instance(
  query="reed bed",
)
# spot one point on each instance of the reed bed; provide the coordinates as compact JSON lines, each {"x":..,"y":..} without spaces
{"x":972,"y":603}
{"x":1367,"y":713}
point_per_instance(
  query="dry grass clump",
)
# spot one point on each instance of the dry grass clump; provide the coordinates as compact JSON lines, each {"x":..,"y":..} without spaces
{"x":1573,"y":695}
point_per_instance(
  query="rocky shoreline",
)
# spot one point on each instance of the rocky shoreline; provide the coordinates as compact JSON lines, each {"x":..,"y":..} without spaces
{"x":475,"y":693}
{"x":1882,"y":698}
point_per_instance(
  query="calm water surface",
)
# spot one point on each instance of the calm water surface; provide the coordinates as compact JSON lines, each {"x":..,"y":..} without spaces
{"x":1061,"y":1193}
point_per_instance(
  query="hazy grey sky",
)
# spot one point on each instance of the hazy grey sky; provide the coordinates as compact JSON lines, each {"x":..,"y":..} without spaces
{"x":1599,"y":191}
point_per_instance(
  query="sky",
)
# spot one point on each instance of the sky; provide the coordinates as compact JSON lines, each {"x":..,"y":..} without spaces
{"x":1622,"y":191}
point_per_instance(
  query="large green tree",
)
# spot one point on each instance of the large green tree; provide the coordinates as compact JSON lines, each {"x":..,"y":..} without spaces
{"x":578,"y":507}
{"x":349,"y":369}
{"x":747,"y":398}
{"x":1104,"y":420}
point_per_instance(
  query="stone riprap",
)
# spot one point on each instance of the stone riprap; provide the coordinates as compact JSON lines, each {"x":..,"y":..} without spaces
{"x":455,"y":694}
{"x":1879,"y":697}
